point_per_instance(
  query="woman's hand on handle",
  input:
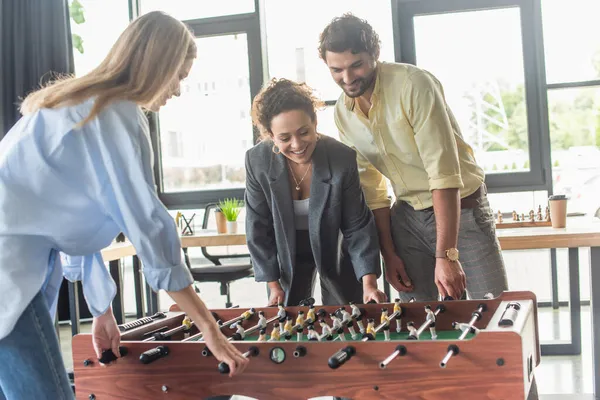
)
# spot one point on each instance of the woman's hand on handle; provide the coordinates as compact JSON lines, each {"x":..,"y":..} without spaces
{"x":220,"y":347}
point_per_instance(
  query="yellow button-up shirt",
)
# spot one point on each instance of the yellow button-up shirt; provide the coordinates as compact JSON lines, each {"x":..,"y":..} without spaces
{"x":410,"y":136}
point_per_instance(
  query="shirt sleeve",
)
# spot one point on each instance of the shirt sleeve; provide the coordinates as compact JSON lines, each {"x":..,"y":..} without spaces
{"x":129,"y":198}
{"x":374,"y":184}
{"x":427,"y":112}
{"x":259,"y":230}
{"x":99,"y":289}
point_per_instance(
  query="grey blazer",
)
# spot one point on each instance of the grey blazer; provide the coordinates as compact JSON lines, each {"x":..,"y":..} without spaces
{"x":336,"y":207}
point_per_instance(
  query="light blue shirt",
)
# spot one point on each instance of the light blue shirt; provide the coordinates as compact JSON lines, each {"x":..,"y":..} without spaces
{"x":66,"y":193}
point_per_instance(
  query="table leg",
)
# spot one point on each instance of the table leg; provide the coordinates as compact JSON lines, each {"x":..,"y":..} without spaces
{"x":138,"y":285}
{"x":74,"y":306}
{"x":574,"y":346}
{"x":554,"y":278}
{"x":118,"y":309}
{"x":595,"y":315}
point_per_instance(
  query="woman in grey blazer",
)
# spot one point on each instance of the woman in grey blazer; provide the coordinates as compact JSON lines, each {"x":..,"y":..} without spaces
{"x":305,"y":210}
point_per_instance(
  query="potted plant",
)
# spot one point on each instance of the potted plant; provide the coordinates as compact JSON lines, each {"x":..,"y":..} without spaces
{"x":231,"y":210}
{"x":221,"y":221}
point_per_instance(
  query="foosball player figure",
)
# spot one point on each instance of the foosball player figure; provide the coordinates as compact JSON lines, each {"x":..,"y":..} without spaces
{"x":370,"y":331}
{"x":384,"y":316}
{"x":432,"y":331}
{"x":275,"y":333}
{"x":412,"y":331}
{"x":398,"y":309}
{"x":262,"y":335}
{"x":299,"y":329}
{"x":312,"y":334}
{"x":464,"y":327}
{"x":357,"y":316}
{"x":240,"y":332}
{"x":386,"y":332}
{"x":336,"y":322}
{"x":325,"y":330}
{"x":262,"y":321}
{"x":311,"y":316}
{"x":288,"y":328}
{"x":187,"y":322}
{"x":300,"y":319}
{"x":350,"y":326}
{"x":249,"y":313}
{"x":340,"y":334}
{"x":281,"y":313}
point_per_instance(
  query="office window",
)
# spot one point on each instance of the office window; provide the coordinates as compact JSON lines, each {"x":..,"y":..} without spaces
{"x":211,"y":118}
{"x":478,"y":57}
{"x":95,"y":26}
{"x":571,"y":43}
{"x":293,"y":31}
{"x":193,"y":9}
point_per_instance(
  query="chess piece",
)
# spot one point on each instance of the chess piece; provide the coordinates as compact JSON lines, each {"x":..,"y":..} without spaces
{"x":515,"y":216}
{"x":522,"y":217}
{"x":547,"y":217}
{"x":539,"y":213}
{"x":531,"y":216}
{"x":499,"y":217}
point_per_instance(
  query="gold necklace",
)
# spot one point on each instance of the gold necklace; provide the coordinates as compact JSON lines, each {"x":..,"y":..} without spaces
{"x":294,"y":176}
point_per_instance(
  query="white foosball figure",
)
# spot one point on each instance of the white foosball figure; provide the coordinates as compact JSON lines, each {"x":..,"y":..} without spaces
{"x":412,"y":331}
{"x":432,"y":331}
{"x":281,"y":313}
{"x":350,"y":326}
{"x":325,"y":330}
{"x":398,"y":309}
{"x":346,"y":316}
{"x":356,"y":315}
{"x":464,"y":327}
{"x":336,"y":322}
{"x":239,"y":329}
{"x":262,"y":321}
{"x":430,"y":314}
{"x":312,"y":333}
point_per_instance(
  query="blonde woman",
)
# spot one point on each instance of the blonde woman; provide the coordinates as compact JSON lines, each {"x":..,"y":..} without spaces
{"x":74,"y":172}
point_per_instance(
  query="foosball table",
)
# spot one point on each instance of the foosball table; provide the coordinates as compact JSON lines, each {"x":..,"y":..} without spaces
{"x":461,"y":349}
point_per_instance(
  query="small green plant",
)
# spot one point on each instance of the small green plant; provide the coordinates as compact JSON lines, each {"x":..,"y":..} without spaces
{"x":231,"y":208}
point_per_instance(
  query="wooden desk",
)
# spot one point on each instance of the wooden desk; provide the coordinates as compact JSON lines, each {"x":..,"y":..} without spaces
{"x":580,"y":232}
{"x":206,"y":238}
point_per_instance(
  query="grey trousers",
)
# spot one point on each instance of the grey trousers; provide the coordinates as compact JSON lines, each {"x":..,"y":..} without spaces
{"x":333,"y":292}
{"x":414,"y":235}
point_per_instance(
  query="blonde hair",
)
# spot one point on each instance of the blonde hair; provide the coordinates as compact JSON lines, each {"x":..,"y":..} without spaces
{"x":140,"y":67}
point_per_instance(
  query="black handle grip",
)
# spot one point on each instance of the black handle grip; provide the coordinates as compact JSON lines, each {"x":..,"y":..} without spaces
{"x":108,"y":356}
{"x":339,"y":358}
{"x":154,"y":354}
{"x":223,"y":368}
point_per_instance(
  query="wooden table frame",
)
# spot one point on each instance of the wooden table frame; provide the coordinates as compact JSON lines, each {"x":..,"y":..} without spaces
{"x":580,"y":233}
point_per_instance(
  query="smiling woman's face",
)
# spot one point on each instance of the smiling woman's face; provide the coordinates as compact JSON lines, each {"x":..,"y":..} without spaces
{"x":295,"y":134}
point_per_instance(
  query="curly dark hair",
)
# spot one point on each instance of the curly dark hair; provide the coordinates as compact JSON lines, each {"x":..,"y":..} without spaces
{"x":349,"y":32}
{"x":281,"y":95}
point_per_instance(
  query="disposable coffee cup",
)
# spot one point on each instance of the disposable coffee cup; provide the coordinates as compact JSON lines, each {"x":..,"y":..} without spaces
{"x":558,"y":210}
